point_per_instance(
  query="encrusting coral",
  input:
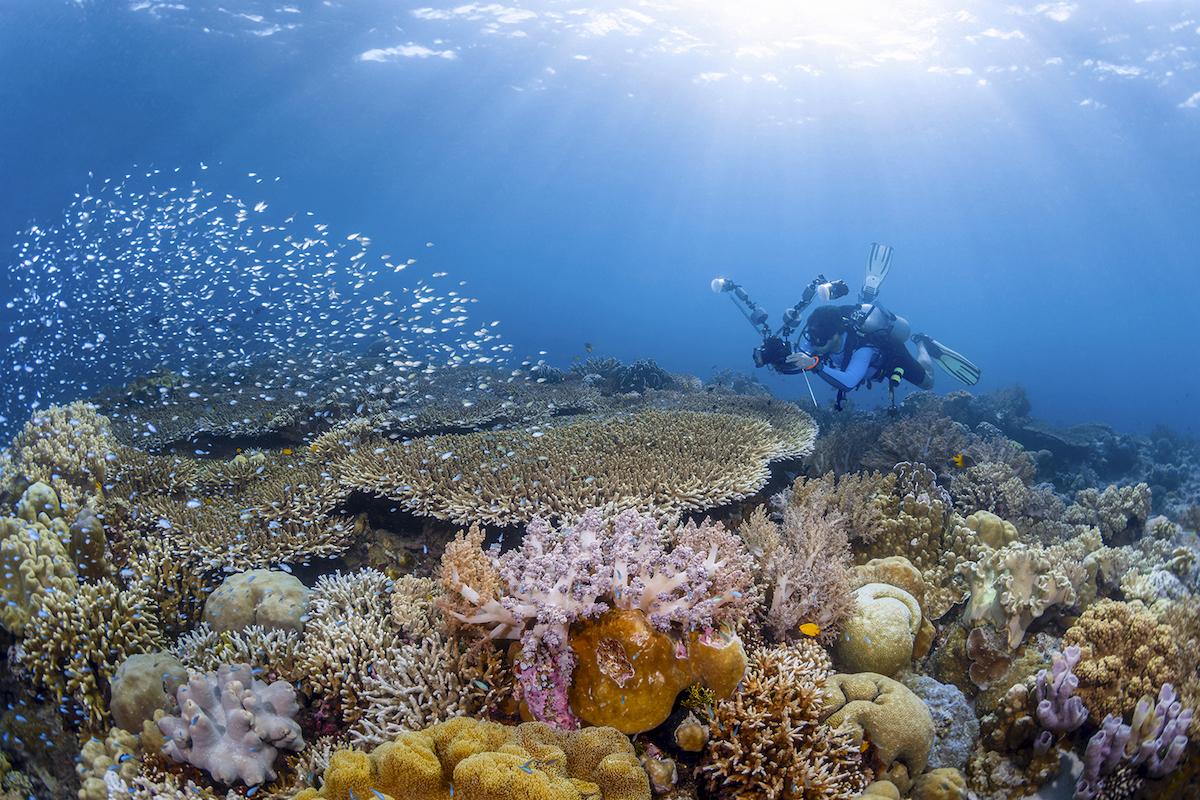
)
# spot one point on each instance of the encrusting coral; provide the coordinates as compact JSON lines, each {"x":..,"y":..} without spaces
{"x":694,"y":579}
{"x":469,"y":759}
{"x":232,"y":726}
{"x":767,"y":741}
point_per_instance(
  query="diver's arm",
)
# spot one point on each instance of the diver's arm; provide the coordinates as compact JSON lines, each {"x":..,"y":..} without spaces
{"x":855,"y":372}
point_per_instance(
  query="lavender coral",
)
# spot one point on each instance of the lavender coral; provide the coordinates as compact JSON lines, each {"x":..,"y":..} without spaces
{"x":1059,"y":710}
{"x":232,"y":726}
{"x":695,"y":578}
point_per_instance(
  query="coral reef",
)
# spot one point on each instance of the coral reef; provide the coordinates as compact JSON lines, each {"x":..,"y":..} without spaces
{"x":767,"y":741}
{"x":880,"y":634}
{"x":955,"y":727}
{"x":232,"y":726}
{"x":144,"y":683}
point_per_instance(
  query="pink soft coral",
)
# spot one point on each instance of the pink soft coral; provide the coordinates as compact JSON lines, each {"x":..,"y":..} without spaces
{"x":696,"y":577}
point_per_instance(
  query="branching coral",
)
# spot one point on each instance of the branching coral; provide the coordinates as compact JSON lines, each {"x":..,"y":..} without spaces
{"x":694,"y":578}
{"x":33,"y":562}
{"x":859,"y":499}
{"x":1120,"y":512}
{"x":653,"y":461}
{"x":803,"y":570}
{"x":767,"y":741}
{"x":76,"y":641}
{"x":276,"y":652}
{"x":232,"y":726}
{"x":69,"y":447}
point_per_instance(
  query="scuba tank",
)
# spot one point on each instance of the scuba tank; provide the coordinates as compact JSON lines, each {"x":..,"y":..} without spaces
{"x":877,"y":326}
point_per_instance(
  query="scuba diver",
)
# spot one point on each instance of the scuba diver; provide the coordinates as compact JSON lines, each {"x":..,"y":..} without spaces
{"x":849,"y":346}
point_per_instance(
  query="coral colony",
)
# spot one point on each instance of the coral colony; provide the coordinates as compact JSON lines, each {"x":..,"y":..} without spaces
{"x":403,"y":568}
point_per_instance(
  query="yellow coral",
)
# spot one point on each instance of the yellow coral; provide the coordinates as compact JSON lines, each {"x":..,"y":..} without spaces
{"x":470,"y":759}
{"x":883,"y":713}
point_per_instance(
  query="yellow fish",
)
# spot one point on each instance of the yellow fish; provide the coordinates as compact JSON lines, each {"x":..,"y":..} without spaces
{"x":862,"y":748}
{"x":958,"y":460}
{"x":810,"y":629}
{"x":287,"y":451}
{"x":313,"y":447}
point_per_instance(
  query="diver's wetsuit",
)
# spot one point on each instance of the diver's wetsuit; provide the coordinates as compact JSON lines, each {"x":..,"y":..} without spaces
{"x":858,"y":361}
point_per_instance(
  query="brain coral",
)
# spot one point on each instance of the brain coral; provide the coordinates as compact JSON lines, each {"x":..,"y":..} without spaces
{"x":767,"y":741}
{"x":884,"y":713}
{"x":469,"y":759}
{"x":880,"y":633}
{"x":663,"y":462}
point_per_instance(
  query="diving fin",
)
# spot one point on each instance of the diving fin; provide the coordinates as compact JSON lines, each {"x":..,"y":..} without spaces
{"x":958,"y":365}
{"x":878,"y":263}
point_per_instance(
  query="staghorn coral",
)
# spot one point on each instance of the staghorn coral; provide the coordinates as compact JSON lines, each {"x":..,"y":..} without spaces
{"x":1120,"y":512}
{"x":653,"y":461}
{"x":473,"y":760}
{"x":232,"y":726}
{"x":416,"y":606}
{"x":563,"y":576}
{"x":350,"y":625}
{"x":767,"y":741}
{"x":417,"y":684}
{"x":878,"y":710}
{"x":1126,"y":653}
{"x":802,"y":567}
{"x":76,"y":641}
{"x":276,"y":652}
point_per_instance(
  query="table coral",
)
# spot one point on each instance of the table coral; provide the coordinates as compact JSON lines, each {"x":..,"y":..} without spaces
{"x":232,"y":726}
{"x":690,"y":578}
{"x":1126,"y":653}
{"x":661,"y":462}
{"x":469,"y":759}
{"x":884,"y":713}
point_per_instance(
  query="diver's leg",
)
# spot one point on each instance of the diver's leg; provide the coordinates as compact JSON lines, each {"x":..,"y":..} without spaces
{"x":926,"y":361}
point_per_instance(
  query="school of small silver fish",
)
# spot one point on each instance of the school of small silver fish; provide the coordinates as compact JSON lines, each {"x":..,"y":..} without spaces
{"x":155,"y":270}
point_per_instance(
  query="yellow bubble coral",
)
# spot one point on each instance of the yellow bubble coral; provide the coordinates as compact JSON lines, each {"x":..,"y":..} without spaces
{"x":468,"y":759}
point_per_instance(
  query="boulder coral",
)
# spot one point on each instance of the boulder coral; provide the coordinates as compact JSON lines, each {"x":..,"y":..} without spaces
{"x":144,"y":683}
{"x":886,"y":716}
{"x":468,"y":759}
{"x":880,"y":633}
{"x":629,"y":673}
{"x":268,"y":598}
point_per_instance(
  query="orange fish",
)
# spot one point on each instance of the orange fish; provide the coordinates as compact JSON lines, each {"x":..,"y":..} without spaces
{"x":810,"y":629}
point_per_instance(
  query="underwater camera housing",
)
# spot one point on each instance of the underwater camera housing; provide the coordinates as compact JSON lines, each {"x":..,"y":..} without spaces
{"x":773,"y":352}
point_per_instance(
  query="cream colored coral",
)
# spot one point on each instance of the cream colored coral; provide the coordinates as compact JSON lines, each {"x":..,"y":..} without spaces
{"x":879,"y":634}
{"x":69,"y":447}
{"x":883,"y":713}
{"x":117,"y":752}
{"x":33,"y":562}
{"x":659,"y":462}
{"x":991,"y":529}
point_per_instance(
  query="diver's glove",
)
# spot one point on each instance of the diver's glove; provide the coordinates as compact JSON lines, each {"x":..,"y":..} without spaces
{"x":803,"y":361}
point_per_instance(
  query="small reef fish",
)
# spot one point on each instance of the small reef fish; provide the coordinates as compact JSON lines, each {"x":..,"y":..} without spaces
{"x":961,"y":460}
{"x":810,"y":629}
{"x":587,"y":347}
